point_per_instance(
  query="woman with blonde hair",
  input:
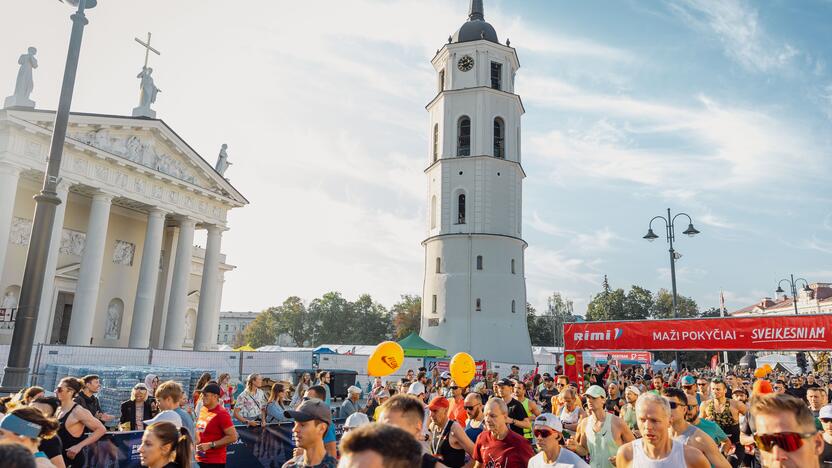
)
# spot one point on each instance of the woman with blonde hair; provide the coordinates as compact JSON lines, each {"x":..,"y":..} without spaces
{"x":251,"y":404}
{"x":136,"y":410}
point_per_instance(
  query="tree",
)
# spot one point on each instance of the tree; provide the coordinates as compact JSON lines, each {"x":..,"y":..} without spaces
{"x":539,"y":333}
{"x":663,"y":306}
{"x":407,"y":315}
{"x":637,"y":303}
{"x":262,"y":331}
{"x":606,"y":305}
{"x":292,"y":319}
{"x":547,"y":329}
{"x":330,"y":316}
{"x":711,"y":312}
{"x":371,"y":322}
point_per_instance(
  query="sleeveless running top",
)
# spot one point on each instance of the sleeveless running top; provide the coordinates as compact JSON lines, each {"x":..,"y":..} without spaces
{"x":569,"y":416}
{"x":441,"y":447}
{"x":527,"y":433}
{"x":601,"y":444}
{"x":686,"y":435}
{"x":68,"y":440}
{"x":675,"y":459}
{"x":726,"y":420}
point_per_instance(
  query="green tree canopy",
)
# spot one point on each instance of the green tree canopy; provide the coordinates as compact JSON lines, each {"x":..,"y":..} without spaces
{"x":407,"y":315}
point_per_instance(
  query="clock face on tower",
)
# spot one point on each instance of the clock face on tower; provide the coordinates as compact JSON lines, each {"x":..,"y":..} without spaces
{"x":465,"y":63}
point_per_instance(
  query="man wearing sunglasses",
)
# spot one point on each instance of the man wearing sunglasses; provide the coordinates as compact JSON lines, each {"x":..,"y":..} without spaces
{"x":785,"y":432}
{"x":448,"y":441}
{"x":475,"y":423}
{"x":688,"y":383}
{"x":703,"y":386}
{"x":656,"y":449}
{"x":688,"y":434}
{"x":548,"y":431}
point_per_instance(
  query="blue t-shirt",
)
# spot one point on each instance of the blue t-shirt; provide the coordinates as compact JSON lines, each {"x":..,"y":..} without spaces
{"x":330,"y":433}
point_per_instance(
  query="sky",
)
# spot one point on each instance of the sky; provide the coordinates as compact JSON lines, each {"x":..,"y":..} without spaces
{"x":721,"y":109}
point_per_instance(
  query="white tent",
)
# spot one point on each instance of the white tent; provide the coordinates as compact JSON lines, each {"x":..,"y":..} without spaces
{"x":786,"y":361}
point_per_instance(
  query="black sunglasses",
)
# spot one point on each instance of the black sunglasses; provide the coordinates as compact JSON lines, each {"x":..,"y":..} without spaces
{"x":788,"y":441}
{"x":826,"y":420}
{"x":469,"y":408}
{"x":453,"y":387}
{"x":543,"y":433}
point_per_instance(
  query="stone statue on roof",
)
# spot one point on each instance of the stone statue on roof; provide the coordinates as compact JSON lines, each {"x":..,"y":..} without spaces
{"x":222,"y":160}
{"x":24,"y":84}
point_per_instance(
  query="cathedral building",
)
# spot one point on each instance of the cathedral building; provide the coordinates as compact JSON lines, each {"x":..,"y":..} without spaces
{"x":474,"y":296}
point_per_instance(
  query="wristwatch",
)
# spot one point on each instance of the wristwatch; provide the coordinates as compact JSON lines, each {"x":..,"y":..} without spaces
{"x":213,"y":445}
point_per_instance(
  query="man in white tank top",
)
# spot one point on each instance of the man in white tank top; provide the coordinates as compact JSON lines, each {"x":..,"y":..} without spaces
{"x":656,"y":449}
{"x":688,"y":434}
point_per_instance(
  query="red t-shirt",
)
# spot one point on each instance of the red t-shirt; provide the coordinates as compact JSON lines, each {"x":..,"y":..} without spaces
{"x":211,"y":427}
{"x":457,"y":411}
{"x":512,"y":452}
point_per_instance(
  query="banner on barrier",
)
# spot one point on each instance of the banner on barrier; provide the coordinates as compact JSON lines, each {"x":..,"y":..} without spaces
{"x":445,"y":365}
{"x":782,"y":332}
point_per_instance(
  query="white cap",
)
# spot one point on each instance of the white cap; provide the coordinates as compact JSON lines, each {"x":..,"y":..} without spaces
{"x":825,"y":412}
{"x":416,"y":388}
{"x":356,"y":420}
{"x":166,"y":416}
{"x":548,"y":420}
{"x":353,"y":389}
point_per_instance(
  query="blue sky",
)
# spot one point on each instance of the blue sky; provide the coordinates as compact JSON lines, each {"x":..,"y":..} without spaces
{"x":721,"y":109}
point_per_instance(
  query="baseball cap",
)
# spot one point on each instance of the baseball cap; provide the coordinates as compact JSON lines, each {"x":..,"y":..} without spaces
{"x":356,"y":420}
{"x":416,"y":388}
{"x":212,"y":388}
{"x":505,"y":383}
{"x":309,"y":410}
{"x":438,"y":403}
{"x":825,"y":412}
{"x":595,"y":392}
{"x":445,"y":375}
{"x":688,"y":380}
{"x":633,"y":389}
{"x":549,"y":420}
{"x":353,"y":389}
{"x":166,"y":416}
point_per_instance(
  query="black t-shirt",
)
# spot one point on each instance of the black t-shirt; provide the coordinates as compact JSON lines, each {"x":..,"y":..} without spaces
{"x":516,"y":412}
{"x":91,"y":403}
{"x":51,"y":447}
{"x":825,"y":457}
{"x":545,"y":398}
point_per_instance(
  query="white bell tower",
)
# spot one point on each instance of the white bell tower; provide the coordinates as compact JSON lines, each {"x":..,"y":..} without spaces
{"x":474,"y":297}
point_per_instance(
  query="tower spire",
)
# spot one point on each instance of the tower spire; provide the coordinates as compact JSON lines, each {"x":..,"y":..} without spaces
{"x":476,"y":11}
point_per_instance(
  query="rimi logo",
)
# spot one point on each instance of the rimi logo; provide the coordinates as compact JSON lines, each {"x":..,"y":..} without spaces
{"x":606,"y":335}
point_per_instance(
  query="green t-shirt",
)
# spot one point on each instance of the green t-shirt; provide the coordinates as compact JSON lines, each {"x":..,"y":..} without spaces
{"x":712,"y":429}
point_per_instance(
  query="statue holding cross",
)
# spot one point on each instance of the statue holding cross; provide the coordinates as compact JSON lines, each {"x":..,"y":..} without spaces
{"x":147,"y":87}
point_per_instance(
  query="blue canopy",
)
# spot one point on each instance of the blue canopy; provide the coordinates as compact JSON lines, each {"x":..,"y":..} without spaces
{"x":323,"y":350}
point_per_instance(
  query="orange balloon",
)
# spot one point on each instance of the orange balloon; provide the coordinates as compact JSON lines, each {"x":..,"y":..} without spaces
{"x":463,"y":369}
{"x":768,"y":368}
{"x":387,"y":358}
{"x":760,"y":372}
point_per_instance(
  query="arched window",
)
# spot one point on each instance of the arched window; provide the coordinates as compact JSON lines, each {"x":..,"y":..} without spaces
{"x":433,"y":212}
{"x":512,"y":266}
{"x":479,"y":262}
{"x":438,"y":265}
{"x":513,"y":306}
{"x":460,"y":209}
{"x":463,"y":141}
{"x":499,"y":138}
{"x":478,"y":306}
{"x":435,"y":142}
{"x":441,"y":80}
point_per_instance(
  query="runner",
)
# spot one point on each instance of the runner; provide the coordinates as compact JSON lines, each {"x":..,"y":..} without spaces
{"x":475,"y":424}
{"x":518,"y":419}
{"x":498,"y":446}
{"x":571,"y":411}
{"x":688,"y":434}
{"x":628,"y":411}
{"x":529,"y":406}
{"x":74,"y":421}
{"x":657,"y":449}
{"x":723,"y":411}
{"x":786,"y":434}
{"x":600,"y":434}
{"x":448,"y":441}
{"x":548,"y":433}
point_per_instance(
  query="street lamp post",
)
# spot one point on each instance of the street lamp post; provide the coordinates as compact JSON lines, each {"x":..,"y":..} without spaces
{"x":793,"y":284}
{"x":16,"y":374}
{"x":670,"y":233}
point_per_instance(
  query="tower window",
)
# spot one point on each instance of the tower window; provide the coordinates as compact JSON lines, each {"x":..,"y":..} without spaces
{"x":463,"y":143}
{"x":478,"y":306}
{"x":513,"y":306}
{"x":460,"y":219}
{"x":435,"y":142}
{"x":433,"y":304}
{"x":433,"y":212}
{"x":438,"y":265}
{"x":479,"y":262}
{"x":496,"y":75}
{"x":499,"y":138}
{"x":441,"y":80}
{"x":512,"y":266}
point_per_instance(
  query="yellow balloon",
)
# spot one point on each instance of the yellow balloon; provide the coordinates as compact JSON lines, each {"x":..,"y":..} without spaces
{"x":760,"y":372}
{"x":387,"y":358}
{"x":463,"y":369}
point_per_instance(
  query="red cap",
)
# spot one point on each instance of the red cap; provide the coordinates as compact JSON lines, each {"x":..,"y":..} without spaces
{"x":439,"y":402}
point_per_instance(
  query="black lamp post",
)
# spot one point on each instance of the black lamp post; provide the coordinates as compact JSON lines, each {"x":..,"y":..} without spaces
{"x":793,"y":284}
{"x":16,"y":374}
{"x":670,"y":233}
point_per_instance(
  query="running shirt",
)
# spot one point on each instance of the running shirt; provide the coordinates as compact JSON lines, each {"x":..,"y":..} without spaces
{"x":516,"y":412}
{"x":601,"y":444}
{"x":566,"y":459}
{"x":211,"y":427}
{"x":474,"y":432}
{"x":685,"y":436}
{"x":675,"y":459}
{"x":512,"y":452}
{"x":68,"y":440}
{"x":712,"y":429}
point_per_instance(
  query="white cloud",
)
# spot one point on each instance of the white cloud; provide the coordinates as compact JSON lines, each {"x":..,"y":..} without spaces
{"x":684,"y":274}
{"x":737,"y":26}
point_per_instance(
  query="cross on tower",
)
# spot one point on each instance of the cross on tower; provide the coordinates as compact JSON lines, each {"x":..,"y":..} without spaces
{"x":148,"y":48}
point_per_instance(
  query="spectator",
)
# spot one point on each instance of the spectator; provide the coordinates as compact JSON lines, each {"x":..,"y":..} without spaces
{"x":275,"y":410}
{"x":164,"y":446}
{"x":30,"y":394}
{"x":323,"y":380}
{"x":548,"y":432}
{"x":214,"y":429}
{"x":312,"y":421}
{"x":381,"y":398}
{"x":330,"y":439}
{"x":448,"y":441}
{"x":16,"y":456}
{"x":498,"y":445}
{"x":304,"y":382}
{"x":516,"y":415}
{"x":151,"y":381}
{"x":28,"y":426}
{"x":418,"y":390}
{"x":355,"y":421}
{"x":227,"y":397}
{"x":688,"y":434}
{"x":88,"y":400}
{"x":51,"y":446}
{"x":350,"y":405}
{"x":135,"y":410}
{"x":251,"y":403}
{"x":74,"y":422}
{"x":656,"y":449}
{"x":785,"y":432}
{"x":169,"y":395}
{"x":475,"y":424}
{"x":379,"y":446}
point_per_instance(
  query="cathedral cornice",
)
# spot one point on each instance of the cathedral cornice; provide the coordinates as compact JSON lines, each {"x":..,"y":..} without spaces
{"x":473,"y":234}
{"x":479,"y":156}
{"x":498,"y":92}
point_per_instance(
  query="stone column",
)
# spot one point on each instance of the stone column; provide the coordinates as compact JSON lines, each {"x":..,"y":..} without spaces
{"x":178,"y":303}
{"x":9,"y":175}
{"x":205,"y":336}
{"x":148,"y":279}
{"x":46,"y":310}
{"x":89,"y":277}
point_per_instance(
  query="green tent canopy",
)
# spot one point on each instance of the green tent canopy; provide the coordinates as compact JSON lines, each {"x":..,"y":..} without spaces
{"x":415,"y":346}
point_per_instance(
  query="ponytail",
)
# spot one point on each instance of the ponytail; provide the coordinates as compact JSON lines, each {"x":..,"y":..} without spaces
{"x":184,"y":449}
{"x":179,"y":441}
